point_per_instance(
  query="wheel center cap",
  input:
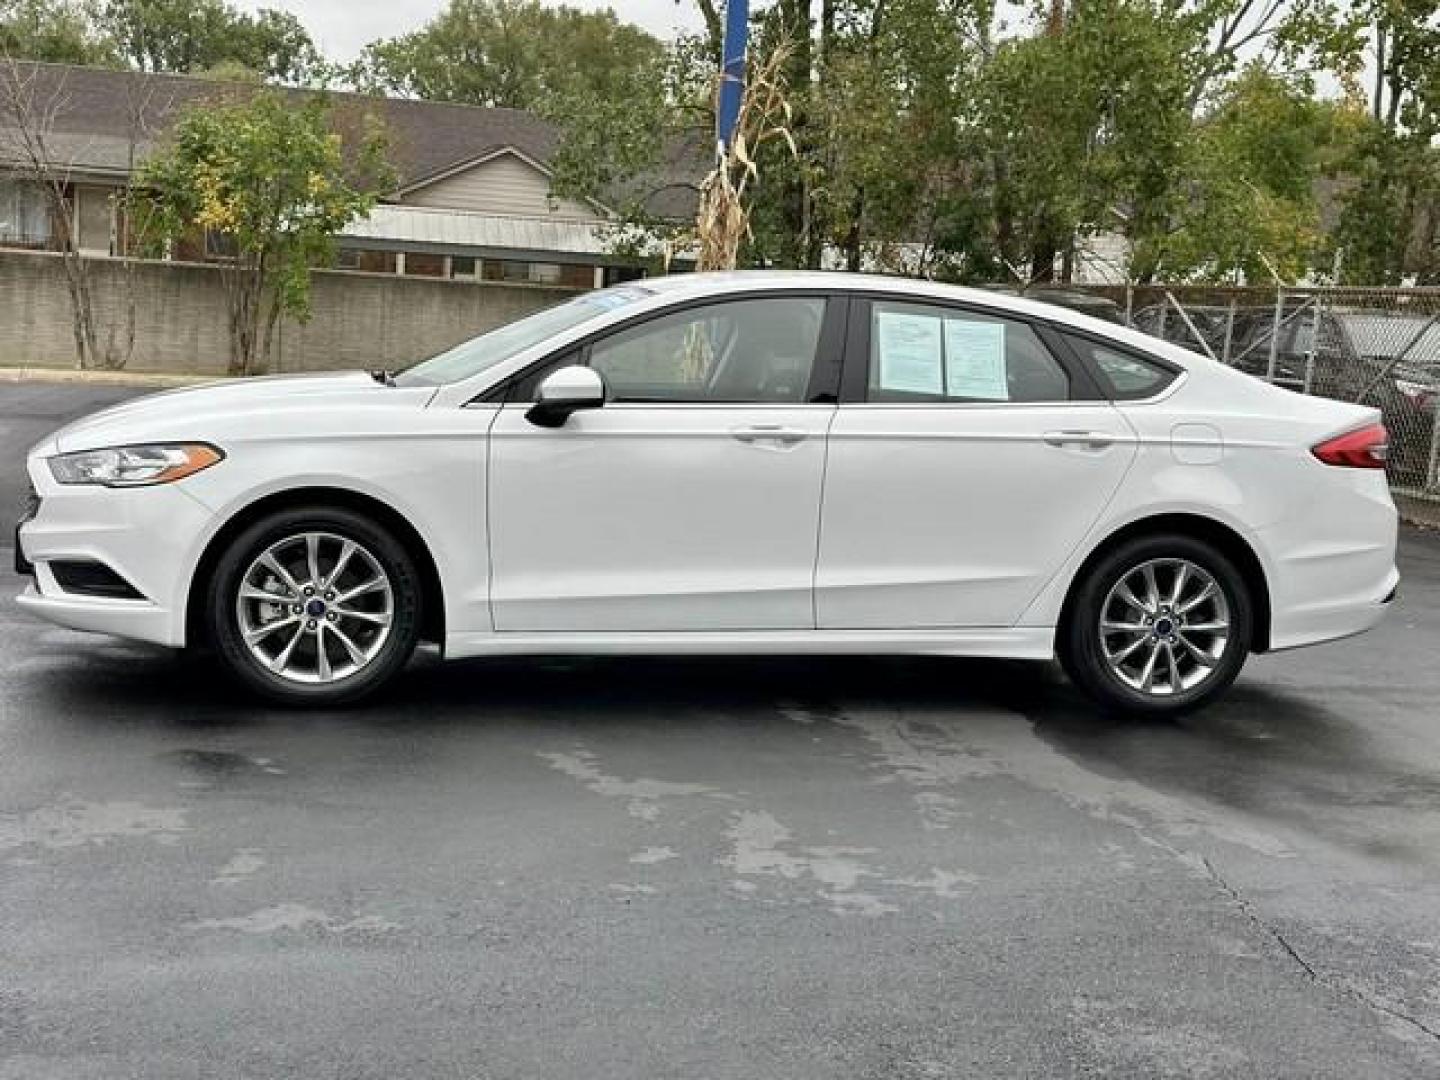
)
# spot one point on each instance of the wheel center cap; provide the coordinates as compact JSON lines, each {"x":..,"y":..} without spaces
{"x":1164,"y":626}
{"x":315,"y":608}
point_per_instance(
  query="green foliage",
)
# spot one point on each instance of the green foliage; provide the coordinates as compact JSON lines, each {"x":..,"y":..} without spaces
{"x":55,"y":31}
{"x":271,"y":174}
{"x":934,"y":138}
{"x":1387,"y":230}
{"x":645,"y":141}
{"x":1389,"y":227}
{"x":1251,"y":209}
{"x":513,"y":53}
{"x":951,"y":137}
{"x":193,"y":36}
{"x":886,"y":148}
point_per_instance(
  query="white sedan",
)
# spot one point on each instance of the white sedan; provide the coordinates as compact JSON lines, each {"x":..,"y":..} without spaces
{"x":743,"y":463}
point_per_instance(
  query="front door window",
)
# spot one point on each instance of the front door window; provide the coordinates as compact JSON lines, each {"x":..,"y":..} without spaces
{"x":744,"y":351}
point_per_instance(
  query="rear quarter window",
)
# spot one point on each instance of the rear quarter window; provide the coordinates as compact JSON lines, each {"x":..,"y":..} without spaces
{"x":1126,"y":376}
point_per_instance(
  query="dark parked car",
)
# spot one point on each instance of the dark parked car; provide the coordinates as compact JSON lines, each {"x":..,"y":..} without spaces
{"x":1387,"y":359}
{"x":1099,"y":307}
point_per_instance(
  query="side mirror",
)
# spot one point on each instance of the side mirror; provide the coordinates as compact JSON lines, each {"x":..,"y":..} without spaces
{"x":564,"y":392}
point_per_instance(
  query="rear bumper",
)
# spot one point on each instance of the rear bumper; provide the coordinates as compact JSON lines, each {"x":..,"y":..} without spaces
{"x":1332,"y":571}
{"x":1330,"y":622}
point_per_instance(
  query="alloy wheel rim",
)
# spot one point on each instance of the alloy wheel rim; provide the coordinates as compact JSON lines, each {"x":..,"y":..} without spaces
{"x":1164,"y":627}
{"x":315,"y":608}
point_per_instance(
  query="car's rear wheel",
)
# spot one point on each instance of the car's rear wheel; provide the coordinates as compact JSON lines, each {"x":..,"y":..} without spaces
{"x":1159,"y":626}
{"x":314,"y":606}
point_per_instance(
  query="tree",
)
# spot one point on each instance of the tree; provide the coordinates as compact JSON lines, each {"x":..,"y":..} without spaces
{"x":872,"y":89}
{"x":55,"y":32}
{"x":512,"y":53}
{"x":28,"y":115}
{"x":979,"y":141}
{"x":31,"y":109}
{"x":1253,"y":164}
{"x":643,"y":151}
{"x":884,"y":155}
{"x":1104,"y":119}
{"x":1387,"y":232}
{"x":195,"y":36}
{"x":1389,"y":228}
{"x":271,"y":177}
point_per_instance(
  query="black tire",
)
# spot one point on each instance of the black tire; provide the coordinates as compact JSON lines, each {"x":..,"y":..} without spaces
{"x":1082,"y":647}
{"x":223,"y":622}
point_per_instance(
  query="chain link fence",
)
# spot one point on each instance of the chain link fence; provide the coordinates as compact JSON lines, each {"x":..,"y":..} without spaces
{"x":1380,"y":347}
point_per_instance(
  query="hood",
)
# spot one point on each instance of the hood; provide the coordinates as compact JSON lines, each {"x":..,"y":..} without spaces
{"x":198,"y":413}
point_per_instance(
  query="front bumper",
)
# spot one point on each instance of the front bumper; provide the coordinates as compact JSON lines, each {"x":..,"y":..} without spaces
{"x":23,"y":566}
{"x":150,"y":537}
{"x":137,"y":619}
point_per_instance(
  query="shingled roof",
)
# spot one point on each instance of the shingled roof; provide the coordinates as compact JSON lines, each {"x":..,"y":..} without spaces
{"x":95,"y":110}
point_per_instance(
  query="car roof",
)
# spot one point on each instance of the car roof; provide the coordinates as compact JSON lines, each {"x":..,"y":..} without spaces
{"x":729,"y":282}
{"x":1387,"y":334}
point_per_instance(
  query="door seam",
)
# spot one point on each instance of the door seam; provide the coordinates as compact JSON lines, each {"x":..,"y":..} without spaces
{"x":1084,"y":541}
{"x":820,"y":525}
{"x":489,"y":444}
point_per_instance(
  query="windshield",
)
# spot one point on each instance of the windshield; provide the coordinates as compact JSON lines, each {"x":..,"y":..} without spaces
{"x":495,"y":346}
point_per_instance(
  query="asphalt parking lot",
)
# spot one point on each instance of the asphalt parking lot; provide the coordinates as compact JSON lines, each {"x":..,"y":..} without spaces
{"x":713,"y":868}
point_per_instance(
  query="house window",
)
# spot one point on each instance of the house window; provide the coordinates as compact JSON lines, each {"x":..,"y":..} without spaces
{"x":365,"y":260}
{"x":93,"y":220}
{"x":615,"y":275}
{"x":424,"y":264}
{"x":463,"y":266}
{"x":565,"y":275}
{"x":24,"y":216}
{"x":188,"y":248}
{"x":220,"y":246}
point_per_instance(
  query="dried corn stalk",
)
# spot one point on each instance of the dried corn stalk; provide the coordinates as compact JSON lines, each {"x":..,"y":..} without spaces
{"x":723,"y":222}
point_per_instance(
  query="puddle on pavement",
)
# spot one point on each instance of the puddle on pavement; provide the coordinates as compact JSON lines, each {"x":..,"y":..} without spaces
{"x":215,"y":766}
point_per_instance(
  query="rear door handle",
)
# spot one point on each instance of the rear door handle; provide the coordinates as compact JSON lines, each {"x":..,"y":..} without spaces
{"x":768,"y":433}
{"x":1088,"y":440}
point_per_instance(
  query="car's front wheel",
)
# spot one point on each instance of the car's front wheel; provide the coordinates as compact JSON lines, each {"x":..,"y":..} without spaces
{"x":1161,"y":625}
{"x":314,"y":606}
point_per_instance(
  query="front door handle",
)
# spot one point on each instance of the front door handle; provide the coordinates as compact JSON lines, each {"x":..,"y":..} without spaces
{"x":768,"y":433}
{"x":1088,"y":440}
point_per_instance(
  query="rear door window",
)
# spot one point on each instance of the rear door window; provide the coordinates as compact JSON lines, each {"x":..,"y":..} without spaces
{"x":922,"y":353}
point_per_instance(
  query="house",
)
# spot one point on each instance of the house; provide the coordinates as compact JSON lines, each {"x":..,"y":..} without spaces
{"x":473,"y":200}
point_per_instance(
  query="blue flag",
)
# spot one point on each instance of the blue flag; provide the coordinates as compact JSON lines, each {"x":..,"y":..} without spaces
{"x":732,"y":71}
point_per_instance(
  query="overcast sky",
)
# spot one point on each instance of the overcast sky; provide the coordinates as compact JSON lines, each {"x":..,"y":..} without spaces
{"x":342,"y":27}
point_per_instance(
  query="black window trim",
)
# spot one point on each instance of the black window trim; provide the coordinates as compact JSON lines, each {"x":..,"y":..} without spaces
{"x":1085,"y":388}
{"x":842,"y":362}
{"x":825,"y":372}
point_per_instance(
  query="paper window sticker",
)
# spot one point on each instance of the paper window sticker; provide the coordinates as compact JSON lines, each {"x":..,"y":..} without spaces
{"x":975,"y":360}
{"x":911,"y":352}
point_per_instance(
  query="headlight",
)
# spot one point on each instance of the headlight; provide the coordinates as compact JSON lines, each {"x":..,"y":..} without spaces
{"x":134,"y":466}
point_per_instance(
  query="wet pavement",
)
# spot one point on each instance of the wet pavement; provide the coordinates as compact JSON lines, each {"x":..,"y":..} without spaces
{"x":714,"y":868}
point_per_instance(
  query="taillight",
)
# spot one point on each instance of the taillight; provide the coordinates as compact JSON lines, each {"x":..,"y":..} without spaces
{"x":1419,"y":395}
{"x":1364,"y":448}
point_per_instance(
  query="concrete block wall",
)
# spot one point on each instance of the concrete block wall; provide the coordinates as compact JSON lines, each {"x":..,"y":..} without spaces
{"x":357,"y":321}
